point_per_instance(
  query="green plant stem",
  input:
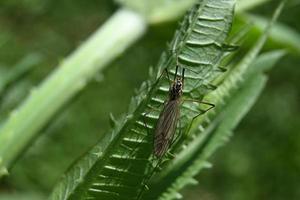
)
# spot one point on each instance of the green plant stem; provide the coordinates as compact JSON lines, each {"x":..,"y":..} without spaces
{"x":70,"y":76}
{"x":164,"y":10}
{"x":170,"y":11}
{"x":243,"y":5}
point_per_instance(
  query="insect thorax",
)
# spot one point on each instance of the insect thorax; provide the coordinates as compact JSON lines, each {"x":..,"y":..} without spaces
{"x":176,"y":89}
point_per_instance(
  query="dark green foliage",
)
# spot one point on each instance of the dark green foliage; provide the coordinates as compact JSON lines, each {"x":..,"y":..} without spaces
{"x":111,"y":170}
{"x":260,"y":162}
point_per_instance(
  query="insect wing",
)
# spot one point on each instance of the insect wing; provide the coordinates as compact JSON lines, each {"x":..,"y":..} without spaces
{"x":165,"y":128}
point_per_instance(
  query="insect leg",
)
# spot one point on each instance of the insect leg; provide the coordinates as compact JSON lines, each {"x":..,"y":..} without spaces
{"x":143,"y":138}
{"x":201,"y":102}
{"x":145,"y":187}
{"x":161,"y":75}
{"x":176,"y":72}
{"x":182,"y":76}
{"x":169,"y":80}
{"x":151,"y":167}
{"x":195,"y":117}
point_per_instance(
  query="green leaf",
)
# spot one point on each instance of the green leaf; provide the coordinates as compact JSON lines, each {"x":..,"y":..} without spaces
{"x":233,"y":98}
{"x":22,"y":67}
{"x":21,"y":196}
{"x":238,"y":102}
{"x":158,"y":11}
{"x":281,"y":35}
{"x":116,"y":166}
{"x":220,"y":130}
{"x":243,"y":5}
{"x":265,"y":62}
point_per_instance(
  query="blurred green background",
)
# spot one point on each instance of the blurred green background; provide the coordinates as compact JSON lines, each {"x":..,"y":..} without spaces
{"x":262,"y":160}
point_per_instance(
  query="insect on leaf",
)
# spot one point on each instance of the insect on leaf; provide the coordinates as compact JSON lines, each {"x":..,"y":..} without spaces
{"x":117,"y":166}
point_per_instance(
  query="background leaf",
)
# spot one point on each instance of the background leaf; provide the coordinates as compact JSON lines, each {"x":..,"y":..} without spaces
{"x":188,"y":163}
{"x":23,"y":125}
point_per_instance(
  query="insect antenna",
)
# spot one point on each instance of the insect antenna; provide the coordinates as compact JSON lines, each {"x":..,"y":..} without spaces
{"x":182,"y":76}
{"x":176,"y":72}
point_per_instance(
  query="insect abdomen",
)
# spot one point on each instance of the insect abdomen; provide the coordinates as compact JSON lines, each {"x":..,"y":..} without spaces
{"x":165,"y":128}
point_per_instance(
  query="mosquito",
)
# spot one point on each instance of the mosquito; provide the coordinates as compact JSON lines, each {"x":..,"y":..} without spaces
{"x":168,"y":119}
{"x":165,"y":127}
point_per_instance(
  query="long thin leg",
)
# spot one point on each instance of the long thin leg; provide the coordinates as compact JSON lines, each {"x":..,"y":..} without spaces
{"x":160,"y":76}
{"x":201,"y":102}
{"x":176,"y":72}
{"x":145,"y":123}
{"x":156,"y":166}
{"x":159,"y":162}
{"x":168,"y":77}
{"x":169,"y":80}
{"x":144,"y":118}
{"x":195,"y":117}
{"x":182,"y":75}
{"x":147,"y":179}
{"x":145,"y":114}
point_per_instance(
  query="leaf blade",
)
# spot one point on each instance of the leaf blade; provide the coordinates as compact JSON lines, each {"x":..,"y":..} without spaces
{"x":115,"y":172}
{"x":185,"y":165}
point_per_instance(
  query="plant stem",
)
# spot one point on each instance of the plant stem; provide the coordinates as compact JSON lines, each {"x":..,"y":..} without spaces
{"x":70,"y":77}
